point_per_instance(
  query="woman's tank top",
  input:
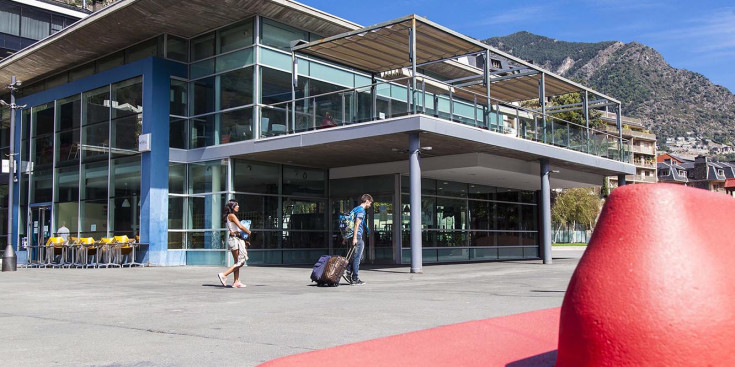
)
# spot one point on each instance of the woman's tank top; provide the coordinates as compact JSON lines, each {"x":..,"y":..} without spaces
{"x":232,"y":226}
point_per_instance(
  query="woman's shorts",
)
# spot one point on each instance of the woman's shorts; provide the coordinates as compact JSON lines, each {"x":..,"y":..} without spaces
{"x":234,"y":243}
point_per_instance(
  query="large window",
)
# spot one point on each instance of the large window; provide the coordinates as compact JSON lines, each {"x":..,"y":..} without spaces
{"x":85,"y":160}
{"x":287,"y":206}
{"x":455,"y":214}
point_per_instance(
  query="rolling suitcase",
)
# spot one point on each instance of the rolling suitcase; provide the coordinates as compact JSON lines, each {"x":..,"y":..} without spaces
{"x":328,"y":270}
{"x":317,"y":272}
{"x":334,"y":271}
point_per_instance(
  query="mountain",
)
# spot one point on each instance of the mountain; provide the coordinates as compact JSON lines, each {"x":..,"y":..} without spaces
{"x":670,"y":101}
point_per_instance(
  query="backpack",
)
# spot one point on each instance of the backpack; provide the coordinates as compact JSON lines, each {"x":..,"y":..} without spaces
{"x":347,"y":224}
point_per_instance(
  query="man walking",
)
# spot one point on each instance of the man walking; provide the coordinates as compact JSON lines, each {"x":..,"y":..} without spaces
{"x":358,"y":239}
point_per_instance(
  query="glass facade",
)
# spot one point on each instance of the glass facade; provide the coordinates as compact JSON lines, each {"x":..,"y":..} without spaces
{"x":85,"y":163}
{"x":287,"y":205}
{"x":462,"y":222}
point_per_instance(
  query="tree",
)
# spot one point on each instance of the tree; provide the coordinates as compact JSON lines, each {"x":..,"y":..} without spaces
{"x":576,"y":206}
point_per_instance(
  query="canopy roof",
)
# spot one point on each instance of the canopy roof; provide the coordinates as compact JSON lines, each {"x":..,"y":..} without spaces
{"x":128,"y":22}
{"x":386,"y":46}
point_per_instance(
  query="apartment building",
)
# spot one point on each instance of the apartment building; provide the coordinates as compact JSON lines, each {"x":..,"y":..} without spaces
{"x":642,"y":147}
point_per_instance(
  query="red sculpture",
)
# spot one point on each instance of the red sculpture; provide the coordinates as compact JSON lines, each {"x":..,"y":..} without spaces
{"x":655,"y":287}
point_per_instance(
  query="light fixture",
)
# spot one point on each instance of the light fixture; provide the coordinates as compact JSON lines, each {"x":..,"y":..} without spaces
{"x":406,"y":209}
{"x":126,"y":203}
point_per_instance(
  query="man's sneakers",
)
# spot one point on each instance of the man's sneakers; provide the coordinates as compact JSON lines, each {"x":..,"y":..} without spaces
{"x":357,"y":281}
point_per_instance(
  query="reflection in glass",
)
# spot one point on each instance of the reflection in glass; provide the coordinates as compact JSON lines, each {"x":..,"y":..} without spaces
{"x":177,"y":133}
{"x":304,"y":181}
{"x":208,"y":177}
{"x":202,"y":92}
{"x":255,"y":177}
{"x":178,"y":98}
{"x":127,"y":114}
{"x":236,"y":36}
{"x":236,"y":125}
{"x":176,"y":178}
{"x":261,"y":210}
{"x":236,"y":88}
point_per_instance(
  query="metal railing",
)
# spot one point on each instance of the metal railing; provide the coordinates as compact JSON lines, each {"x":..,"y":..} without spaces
{"x":432,"y":97}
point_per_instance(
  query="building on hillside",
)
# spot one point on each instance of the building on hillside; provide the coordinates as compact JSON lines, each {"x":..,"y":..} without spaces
{"x":642,"y":146}
{"x":149,"y":130}
{"x":700,"y":172}
{"x":25,"y":22}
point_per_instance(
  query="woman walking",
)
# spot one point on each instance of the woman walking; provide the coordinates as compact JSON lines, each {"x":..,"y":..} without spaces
{"x":235,"y":244}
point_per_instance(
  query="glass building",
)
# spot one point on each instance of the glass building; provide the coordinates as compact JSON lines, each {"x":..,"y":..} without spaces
{"x":150,"y":131}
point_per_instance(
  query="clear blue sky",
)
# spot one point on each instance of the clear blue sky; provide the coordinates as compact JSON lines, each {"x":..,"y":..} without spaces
{"x":695,"y":35}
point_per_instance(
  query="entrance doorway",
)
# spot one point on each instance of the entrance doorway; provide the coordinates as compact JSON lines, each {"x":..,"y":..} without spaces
{"x":39,"y":230}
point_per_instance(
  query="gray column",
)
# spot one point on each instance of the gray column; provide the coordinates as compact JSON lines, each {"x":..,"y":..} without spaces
{"x":397,"y":213}
{"x":545,"y":212}
{"x":621,"y":180}
{"x":414,"y":170}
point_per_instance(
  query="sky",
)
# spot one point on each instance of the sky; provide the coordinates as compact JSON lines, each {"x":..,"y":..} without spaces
{"x":695,"y":35}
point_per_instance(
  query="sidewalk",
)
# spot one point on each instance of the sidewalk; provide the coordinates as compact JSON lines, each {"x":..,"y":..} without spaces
{"x":182,"y":316}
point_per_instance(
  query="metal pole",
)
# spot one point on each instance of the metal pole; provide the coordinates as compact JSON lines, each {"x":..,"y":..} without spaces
{"x":545,"y":212}
{"x":486,"y":80}
{"x":587,"y":117}
{"x":412,"y":41}
{"x":542,"y":101}
{"x":619,"y":121}
{"x":294,"y":84}
{"x":10,"y":260}
{"x":414,"y":146}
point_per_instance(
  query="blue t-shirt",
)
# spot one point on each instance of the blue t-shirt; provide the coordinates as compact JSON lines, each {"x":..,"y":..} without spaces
{"x":360,"y":213}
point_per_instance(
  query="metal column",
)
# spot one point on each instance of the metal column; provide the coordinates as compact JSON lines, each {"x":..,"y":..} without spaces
{"x":587,"y":117}
{"x":486,"y":80}
{"x":412,"y":55}
{"x":294,"y":85}
{"x":621,"y":180}
{"x":255,"y":126}
{"x":414,"y":169}
{"x":542,"y":101}
{"x":619,"y":113}
{"x":545,"y":211}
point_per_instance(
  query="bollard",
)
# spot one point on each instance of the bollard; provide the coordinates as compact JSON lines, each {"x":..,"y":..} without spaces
{"x":10,"y":260}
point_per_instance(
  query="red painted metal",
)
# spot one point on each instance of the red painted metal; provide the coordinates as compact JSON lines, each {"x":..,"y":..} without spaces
{"x":649,"y":293}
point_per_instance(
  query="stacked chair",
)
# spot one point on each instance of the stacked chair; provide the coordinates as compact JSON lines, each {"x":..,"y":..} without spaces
{"x":54,"y":245}
{"x":127,"y":246}
{"x":86,"y":252}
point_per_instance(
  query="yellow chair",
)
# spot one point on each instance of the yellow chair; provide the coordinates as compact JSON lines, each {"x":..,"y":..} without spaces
{"x":87,"y":247}
{"x":108,"y":249}
{"x":52,"y":244}
{"x":128,"y":246}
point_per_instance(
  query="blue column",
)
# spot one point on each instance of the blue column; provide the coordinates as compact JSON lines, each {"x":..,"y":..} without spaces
{"x":414,"y":173}
{"x":545,"y":212}
{"x":154,"y":164}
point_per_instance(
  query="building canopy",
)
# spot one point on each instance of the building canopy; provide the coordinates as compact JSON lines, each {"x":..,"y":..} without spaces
{"x":386,"y":47}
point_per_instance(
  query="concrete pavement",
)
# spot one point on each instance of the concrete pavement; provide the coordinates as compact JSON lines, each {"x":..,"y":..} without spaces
{"x":182,"y":316}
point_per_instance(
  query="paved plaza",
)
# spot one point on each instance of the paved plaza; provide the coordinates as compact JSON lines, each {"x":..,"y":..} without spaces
{"x":182,"y":316}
